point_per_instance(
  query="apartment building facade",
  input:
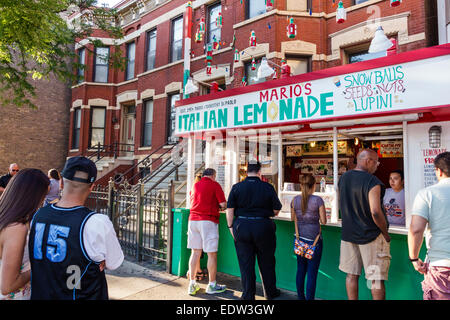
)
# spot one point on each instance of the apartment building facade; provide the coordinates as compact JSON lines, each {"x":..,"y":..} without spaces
{"x":135,"y":106}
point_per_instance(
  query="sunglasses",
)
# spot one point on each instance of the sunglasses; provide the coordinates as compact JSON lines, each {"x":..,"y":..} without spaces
{"x":14,"y":170}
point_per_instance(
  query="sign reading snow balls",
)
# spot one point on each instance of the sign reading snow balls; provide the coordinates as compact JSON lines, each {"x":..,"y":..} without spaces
{"x":392,"y":88}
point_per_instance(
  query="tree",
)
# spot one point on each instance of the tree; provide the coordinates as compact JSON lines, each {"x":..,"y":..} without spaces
{"x":37,"y":41}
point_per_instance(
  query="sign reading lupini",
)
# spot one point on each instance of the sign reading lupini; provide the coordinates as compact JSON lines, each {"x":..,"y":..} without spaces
{"x":399,"y":87}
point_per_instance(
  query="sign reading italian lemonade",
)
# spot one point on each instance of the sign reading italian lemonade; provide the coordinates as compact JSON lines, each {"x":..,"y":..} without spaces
{"x":411,"y":85}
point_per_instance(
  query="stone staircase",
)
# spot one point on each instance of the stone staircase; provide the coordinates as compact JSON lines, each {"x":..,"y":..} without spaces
{"x":163,"y":186}
{"x":107,"y":164}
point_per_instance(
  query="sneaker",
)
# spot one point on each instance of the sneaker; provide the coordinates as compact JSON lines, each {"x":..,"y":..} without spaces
{"x":218,"y":288}
{"x":193,"y":288}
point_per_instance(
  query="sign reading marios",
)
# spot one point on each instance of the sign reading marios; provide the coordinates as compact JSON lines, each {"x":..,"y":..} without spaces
{"x":405,"y":86}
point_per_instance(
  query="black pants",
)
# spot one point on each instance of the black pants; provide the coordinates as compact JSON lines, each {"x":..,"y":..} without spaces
{"x":256,"y":239}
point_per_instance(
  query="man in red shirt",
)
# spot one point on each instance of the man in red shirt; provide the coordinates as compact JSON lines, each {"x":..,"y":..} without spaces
{"x":207,"y":198}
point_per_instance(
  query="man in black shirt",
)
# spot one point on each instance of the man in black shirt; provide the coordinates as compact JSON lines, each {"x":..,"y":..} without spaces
{"x":252,"y":202}
{"x":365,"y":237}
{"x":4,"y":180}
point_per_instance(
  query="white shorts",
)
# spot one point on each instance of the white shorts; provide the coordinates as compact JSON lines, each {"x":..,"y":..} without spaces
{"x":203,"y":235}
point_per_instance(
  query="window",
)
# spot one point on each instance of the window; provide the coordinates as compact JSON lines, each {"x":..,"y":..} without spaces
{"x":364,"y":55}
{"x":101,"y":64}
{"x":252,"y":75}
{"x":151,"y":49}
{"x":76,"y":128}
{"x":130,"y":60}
{"x":148,"y":122}
{"x":97,"y":131}
{"x":360,"y":52}
{"x":81,"y":61}
{"x":204,"y":89}
{"x":171,"y":125}
{"x":177,"y":39}
{"x":299,"y":65}
{"x":297,"y":5}
{"x":359,"y":1}
{"x":255,"y":8}
{"x":213,"y":30}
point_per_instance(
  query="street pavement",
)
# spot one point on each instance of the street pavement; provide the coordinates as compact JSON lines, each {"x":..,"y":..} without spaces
{"x":133,"y":281}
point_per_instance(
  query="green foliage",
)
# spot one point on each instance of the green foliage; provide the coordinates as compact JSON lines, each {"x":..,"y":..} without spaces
{"x":36,"y":42}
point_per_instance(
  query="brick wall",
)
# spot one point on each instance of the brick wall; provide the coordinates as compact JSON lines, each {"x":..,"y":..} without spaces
{"x":37,"y":138}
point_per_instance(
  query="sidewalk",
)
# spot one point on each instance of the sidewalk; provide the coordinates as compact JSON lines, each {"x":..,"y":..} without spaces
{"x":135,"y":282}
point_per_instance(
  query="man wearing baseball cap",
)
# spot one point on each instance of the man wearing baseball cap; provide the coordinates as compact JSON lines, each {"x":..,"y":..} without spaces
{"x":69,"y":244}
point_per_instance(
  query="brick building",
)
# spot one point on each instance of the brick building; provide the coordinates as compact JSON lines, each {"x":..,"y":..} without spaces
{"x":134,"y":106}
{"x":37,"y":138}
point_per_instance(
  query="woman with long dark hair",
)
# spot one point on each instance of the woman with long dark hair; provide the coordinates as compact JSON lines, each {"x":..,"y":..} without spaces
{"x":20,"y":200}
{"x":308,"y":211}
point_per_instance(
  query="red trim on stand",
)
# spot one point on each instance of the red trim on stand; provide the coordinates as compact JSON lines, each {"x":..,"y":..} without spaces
{"x":404,"y":57}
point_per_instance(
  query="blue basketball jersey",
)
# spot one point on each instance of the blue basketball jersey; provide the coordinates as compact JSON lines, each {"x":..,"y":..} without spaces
{"x":60,"y":266}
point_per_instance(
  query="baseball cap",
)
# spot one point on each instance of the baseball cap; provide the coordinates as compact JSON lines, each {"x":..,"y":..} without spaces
{"x":79,"y":163}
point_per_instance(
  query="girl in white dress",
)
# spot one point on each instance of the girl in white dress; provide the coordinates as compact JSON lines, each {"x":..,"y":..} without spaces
{"x":24,"y":194}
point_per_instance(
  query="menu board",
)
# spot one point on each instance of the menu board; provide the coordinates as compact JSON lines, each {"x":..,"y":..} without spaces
{"x":429,"y":175}
{"x":294,"y":151}
{"x":391,"y":149}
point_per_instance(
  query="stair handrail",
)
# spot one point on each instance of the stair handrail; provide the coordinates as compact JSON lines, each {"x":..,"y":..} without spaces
{"x":176,"y":166}
{"x":185,"y":183}
{"x":145,"y":161}
{"x":102,"y":150}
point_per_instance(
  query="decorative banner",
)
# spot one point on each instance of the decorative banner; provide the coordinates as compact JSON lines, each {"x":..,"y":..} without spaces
{"x":291,"y":29}
{"x":201,"y":27}
{"x":198,"y":36}
{"x":219,"y":20}
{"x":236,"y":55}
{"x":244,"y":81}
{"x":341,"y":14}
{"x":252,"y":41}
{"x":375,"y":91}
{"x":391,"y":149}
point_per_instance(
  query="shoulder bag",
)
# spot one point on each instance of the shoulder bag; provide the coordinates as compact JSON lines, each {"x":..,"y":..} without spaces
{"x":302,"y":248}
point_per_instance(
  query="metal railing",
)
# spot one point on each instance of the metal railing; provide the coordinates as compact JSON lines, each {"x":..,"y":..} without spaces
{"x":113,"y":150}
{"x":142,"y":219}
{"x":146,"y":163}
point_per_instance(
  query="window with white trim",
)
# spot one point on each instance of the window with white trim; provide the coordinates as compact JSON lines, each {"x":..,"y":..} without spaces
{"x":177,"y":39}
{"x":82,"y":63}
{"x":151,"y":49}
{"x":131,"y":54}
{"x":147,"y":123}
{"x":213,"y":30}
{"x":255,"y":8}
{"x":97,"y":127}
{"x":76,"y":128}
{"x":101,"y":64}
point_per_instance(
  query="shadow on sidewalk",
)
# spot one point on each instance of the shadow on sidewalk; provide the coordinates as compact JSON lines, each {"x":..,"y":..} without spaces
{"x":133,"y":281}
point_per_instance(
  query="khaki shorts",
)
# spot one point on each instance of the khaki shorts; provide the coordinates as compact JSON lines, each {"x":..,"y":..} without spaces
{"x":203,"y":235}
{"x":374,"y":256}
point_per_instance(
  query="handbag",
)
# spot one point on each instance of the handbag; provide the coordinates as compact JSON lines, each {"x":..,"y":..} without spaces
{"x":301,"y":248}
